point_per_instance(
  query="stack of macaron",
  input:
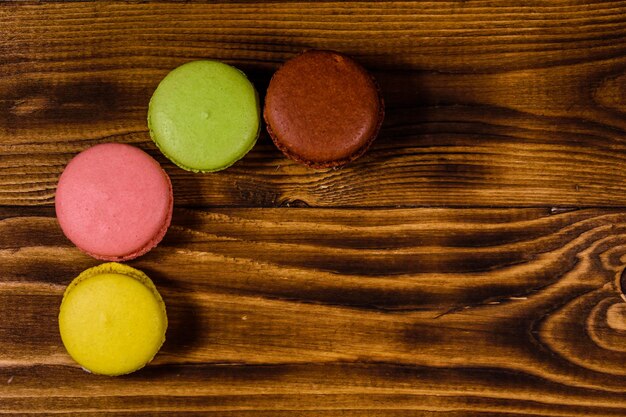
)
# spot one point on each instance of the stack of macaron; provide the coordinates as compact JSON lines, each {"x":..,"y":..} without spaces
{"x":115,"y":202}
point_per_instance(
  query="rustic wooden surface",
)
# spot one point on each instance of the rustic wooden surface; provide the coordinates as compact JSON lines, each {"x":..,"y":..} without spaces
{"x":468,"y":265}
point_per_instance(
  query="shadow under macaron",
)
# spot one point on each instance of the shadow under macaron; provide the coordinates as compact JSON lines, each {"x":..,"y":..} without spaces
{"x":182,"y":314}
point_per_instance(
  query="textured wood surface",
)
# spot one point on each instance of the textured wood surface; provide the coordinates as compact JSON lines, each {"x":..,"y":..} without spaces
{"x":351,"y":312}
{"x":489,"y":102}
{"x":469,"y":265}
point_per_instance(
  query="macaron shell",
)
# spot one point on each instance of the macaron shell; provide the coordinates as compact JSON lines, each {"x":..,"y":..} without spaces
{"x":158,"y":237}
{"x":112,"y":319}
{"x":323,"y":109}
{"x":114,"y":202}
{"x":204,"y":116}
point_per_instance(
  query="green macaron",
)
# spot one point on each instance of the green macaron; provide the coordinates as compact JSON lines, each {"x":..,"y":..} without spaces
{"x":204,"y":116}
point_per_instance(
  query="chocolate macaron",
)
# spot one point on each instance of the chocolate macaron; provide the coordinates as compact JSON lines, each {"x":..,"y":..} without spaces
{"x":323,"y":109}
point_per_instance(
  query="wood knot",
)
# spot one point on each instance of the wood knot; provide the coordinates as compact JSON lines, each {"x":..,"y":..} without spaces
{"x":30,"y":105}
{"x":589,"y":331}
{"x":621,"y":285}
{"x":294,"y":203}
{"x":612,"y":93}
{"x":616,"y":317}
{"x":60,"y":102}
{"x":606,"y":325}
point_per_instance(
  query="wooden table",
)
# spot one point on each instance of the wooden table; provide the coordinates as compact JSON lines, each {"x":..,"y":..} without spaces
{"x":468,"y":265}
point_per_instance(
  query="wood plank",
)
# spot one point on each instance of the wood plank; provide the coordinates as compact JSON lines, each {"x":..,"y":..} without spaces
{"x":489,"y":103}
{"x":418,"y":312}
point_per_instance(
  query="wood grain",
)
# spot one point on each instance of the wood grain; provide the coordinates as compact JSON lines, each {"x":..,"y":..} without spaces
{"x":325,"y":312}
{"x":490,"y":103}
{"x":443,"y":274}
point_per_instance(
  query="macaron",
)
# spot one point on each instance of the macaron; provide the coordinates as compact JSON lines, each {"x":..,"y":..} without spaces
{"x":323,"y":109}
{"x":204,"y":116}
{"x":114,"y":202}
{"x":112,"y":319}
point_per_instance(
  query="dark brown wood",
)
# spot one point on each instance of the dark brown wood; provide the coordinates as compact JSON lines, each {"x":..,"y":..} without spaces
{"x":490,"y":103}
{"x":355,"y":312}
{"x":503,"y":301}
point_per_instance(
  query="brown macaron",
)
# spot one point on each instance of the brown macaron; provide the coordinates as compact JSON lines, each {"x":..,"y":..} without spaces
{"x":323,"y":109}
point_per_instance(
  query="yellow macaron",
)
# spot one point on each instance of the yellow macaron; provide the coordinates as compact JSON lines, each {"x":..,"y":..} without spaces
{"x":112,"y":319}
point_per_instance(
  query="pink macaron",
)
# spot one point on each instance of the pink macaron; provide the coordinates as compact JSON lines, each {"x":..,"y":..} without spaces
{"x":114,"y":202}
